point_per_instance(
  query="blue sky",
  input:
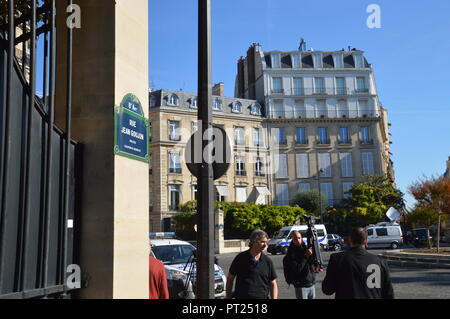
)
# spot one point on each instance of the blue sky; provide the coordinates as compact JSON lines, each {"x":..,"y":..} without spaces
{"x":410,"y":55}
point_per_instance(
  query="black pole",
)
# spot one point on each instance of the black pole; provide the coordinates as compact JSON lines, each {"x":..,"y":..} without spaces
{"x":205,"y":239}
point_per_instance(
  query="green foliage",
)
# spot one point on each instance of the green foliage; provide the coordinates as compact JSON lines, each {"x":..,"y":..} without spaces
{"x":242,"y":219}
{"x":369,"y":200}
{"x":422,"y":217}
{"x":312,"y":201}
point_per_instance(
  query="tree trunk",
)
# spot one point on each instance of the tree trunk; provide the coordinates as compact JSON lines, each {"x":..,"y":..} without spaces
{"x":439,"y":232}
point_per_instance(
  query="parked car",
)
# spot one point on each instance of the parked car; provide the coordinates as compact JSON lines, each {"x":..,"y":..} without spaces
{"x":282,"y":238}
{"x":335,"y":242}
{"x":178,"y":258}
{"x":420,"y":237}
{"x":384,"y":235}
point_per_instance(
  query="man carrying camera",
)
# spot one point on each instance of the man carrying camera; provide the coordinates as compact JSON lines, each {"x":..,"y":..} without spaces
{"x":297,"y":263}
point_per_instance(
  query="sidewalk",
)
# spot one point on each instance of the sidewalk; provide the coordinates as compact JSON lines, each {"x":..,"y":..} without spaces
{"x":409,"y":258}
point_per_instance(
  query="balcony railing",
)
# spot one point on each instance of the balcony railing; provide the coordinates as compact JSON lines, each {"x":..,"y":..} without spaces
{"x":175,"y":138}
{"x":241,"y":173}
{"x":259,"y":174}
{"x":175,"y":170}
{"x":330,"y":112}
{"x":340,"y":91}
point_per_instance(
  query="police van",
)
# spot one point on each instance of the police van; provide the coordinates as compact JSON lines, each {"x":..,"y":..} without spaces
{"x":282,"y":238}
{"x":179,"y":262}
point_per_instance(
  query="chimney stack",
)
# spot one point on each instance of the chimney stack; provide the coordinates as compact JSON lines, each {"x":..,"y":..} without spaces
{"x":219,"y":89}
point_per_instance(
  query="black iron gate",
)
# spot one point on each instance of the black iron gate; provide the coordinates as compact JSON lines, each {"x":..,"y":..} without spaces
{"x":38,"y":162}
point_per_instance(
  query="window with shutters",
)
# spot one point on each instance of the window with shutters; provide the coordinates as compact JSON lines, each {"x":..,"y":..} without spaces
{"x":345,"y":188}
{"x":281,"y":164}
{"x":346,"y":164}
{"x":282,"y":192}
{"x":367,"y":163}
{"x":327,"y":190}
{"x":304,"y":186}
{"x":302,"y":165}
{"x":325,"y":164}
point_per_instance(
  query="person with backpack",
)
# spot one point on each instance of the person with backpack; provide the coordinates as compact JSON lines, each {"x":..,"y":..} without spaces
{"x":296,"y":266}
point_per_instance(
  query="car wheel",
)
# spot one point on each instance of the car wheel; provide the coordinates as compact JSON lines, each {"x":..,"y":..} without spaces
{"x":284,"y":250}
{"x":394,"y":245}
{"x":337,"y":247}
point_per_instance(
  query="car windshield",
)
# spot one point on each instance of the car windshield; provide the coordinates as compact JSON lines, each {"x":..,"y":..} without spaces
{"x":173,"y":254}
{"x":281,"y":234}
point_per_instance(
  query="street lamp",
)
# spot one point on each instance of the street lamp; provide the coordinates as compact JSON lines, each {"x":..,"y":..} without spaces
{"x":320,"y":194}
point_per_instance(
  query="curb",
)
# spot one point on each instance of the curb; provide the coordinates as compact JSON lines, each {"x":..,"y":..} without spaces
{"x":416,"y":260}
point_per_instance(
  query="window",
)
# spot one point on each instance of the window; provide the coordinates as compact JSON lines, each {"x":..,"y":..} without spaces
{"x":361,"y":85}
{"x":296,"y":61}
{"x":322,"y":108}
{"x":304,"y":186}
{"x":173,"y":100}
{"x":237,"y":107}
{"x":281,"y":165}
{"x":300,"y":133}
{"x":298,"y":86}
{"x":365,"y":137}
{"x":256,"y":109}
{"x":241,"y":194}
{"x":363,"y":107}
{"x":278,"y":109}
{"x":174,"y":131}
{"x":239,"y":138}
{"x":325,"y":164}
{"x":327,"y":190}
{"x":194,"y":103}
{"x":317,"y":58}
{"x":381,"y":231}
{"x":370,"y":232}
{"x":340,"y":86}
{"x":323,"y":135}
{"x":259,"y":167}
{"x":280,"y":135}
{"x":359,"y":61}
{"x":343,"y":136}
{"x":282,"y":193}
{"x":345,"y":188}
{"x":346,"y":164}
{"x":277,"y":85}
{"x":257,"y":137}
{"x":338,"y":61}
{"x":342,"y":108}
{"x":367,"y":163}
{"x":217,"y":105}
{"x":319,"y":85}
{"x":276,"y":60}
{"x":300,"y":109}
{"x":174,"y":163}
{"x":174,"y":197}
{"x":240,"y":166}
{"x":152,"y":101}
{"x":302,"y":165}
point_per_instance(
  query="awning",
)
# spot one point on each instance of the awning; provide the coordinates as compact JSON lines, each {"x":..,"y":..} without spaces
{"x":263,"y":191}
{"x":222,"y":190}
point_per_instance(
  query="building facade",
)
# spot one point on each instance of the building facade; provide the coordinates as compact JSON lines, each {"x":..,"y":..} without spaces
{"x":173,"y":118}
{"x":323,"y":110}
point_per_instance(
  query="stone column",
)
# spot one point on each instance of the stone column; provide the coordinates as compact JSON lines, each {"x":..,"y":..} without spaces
{"x":110,"y":60}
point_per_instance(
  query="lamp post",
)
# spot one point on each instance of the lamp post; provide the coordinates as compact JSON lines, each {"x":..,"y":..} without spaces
{"x":320,"y":171}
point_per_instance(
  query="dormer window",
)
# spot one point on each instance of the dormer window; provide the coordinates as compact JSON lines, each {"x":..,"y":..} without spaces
{"x":317,"y":58}
{"x":359,"y":61}
{"x":194,"y":103}
{"x":255,"y":109}
{"x":152,"y":101}
{"x":338,"y":61}
{"x":296,"y":61}
{"x":173,"y":100}
{"x":217,"y":105}
{"x":276,"y":61}
{"x":237,"y":107}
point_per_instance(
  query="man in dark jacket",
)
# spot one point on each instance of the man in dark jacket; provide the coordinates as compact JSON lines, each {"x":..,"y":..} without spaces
{"x":297,"y":258}
{"x":357,"y":274}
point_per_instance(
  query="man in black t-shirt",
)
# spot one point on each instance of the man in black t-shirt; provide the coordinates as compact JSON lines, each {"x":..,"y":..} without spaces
{"x":254,"y":271}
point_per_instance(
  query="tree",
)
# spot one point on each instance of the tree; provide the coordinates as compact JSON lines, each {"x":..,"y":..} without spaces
{"x":310,"y":200}
{"x":433,"y":194}
{"x":368,"y":202}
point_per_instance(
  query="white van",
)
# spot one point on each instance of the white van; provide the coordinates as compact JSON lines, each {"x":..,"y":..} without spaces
{"x":384,"y":235}
{"x":282,"y":238}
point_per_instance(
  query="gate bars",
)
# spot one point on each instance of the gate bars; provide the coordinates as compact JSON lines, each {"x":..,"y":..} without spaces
{"x":38,"y":162}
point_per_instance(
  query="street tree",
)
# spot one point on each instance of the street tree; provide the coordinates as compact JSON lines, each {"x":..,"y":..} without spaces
{"x":433,"y":194}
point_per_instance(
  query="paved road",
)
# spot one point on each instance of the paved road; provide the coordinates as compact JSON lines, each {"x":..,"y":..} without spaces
{"x":409,"y":283}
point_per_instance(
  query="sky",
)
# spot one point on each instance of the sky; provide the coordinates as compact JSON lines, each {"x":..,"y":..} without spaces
{"x":410,"y":55}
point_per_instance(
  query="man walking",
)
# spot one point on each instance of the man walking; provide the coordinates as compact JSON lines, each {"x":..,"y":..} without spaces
{"x":297,"y":263}
{"x":357,"y":274}
{"x":254,"y":271}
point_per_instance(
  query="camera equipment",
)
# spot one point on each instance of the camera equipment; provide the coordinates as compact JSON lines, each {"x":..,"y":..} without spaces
{"x":316,"y":264}
{"x":188,"y":291}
